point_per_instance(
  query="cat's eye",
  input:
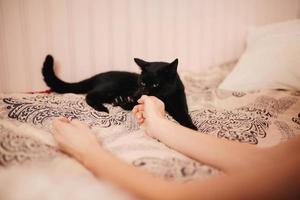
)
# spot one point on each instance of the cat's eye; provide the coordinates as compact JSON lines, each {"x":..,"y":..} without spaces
{"x":155,"y":85}
{"x":143,"y":83}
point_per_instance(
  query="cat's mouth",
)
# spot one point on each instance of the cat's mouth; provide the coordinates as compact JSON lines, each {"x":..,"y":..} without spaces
{"x":141,"y":92}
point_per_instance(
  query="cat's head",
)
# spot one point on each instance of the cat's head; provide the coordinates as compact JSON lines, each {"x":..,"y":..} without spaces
{"x":155,"y":76}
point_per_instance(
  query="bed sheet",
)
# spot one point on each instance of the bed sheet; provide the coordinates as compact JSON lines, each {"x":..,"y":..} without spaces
{"x":27,"y":150}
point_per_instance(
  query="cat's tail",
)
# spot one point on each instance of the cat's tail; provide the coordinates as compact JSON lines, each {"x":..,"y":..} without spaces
{"x":59,"y":86}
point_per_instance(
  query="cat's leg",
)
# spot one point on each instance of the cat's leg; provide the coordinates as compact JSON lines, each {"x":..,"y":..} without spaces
{"x":179,"y":112}
{"x":98,"y":96}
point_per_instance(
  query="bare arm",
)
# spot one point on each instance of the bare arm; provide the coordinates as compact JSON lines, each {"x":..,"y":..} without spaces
{"x":77,"y":140}
{"x":276,"y":180}
{"x":221,"y":153}
{"x":273,"y":181}
{"x":260,"y":182}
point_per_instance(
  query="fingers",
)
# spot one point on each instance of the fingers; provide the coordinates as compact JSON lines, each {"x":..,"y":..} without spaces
{"x":59,"y":122}
{"x":138,"y":108}
{"x":58,"y":127}
{"x":139,"y":115}
{"x":63,"y":119}
{"x":79,"y":123}
{"x":134,"y":109}
{"x":140,"y":121}
{"x":142,"y":99}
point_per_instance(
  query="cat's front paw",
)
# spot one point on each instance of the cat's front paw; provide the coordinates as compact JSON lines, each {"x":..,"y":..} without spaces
{"x":122,"y":101}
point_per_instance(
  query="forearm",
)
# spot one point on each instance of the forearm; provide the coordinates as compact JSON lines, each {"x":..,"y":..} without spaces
{"x":221,"y":153}
{"x":134,"y":180}
{"x":262,"y":182}
{"x":276,"y":181}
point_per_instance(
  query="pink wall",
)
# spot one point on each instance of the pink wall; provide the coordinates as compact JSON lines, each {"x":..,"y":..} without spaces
{"x":90,"y":36}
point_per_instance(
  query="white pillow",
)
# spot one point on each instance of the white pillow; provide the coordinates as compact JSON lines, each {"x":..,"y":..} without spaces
{"x":271,"y":59}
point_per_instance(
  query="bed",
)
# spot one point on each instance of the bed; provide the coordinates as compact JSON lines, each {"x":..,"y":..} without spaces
{"x":31,"y":163}
{"x":28,"y":152}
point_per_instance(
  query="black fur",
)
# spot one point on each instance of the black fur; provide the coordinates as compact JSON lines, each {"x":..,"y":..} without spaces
{"x":158,"y":79}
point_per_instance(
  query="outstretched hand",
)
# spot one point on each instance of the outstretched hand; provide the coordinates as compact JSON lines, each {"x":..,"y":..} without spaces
{"x":74,"y":137}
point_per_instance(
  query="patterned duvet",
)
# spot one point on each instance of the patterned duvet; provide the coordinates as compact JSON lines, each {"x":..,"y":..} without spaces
{"x":263,"y":118}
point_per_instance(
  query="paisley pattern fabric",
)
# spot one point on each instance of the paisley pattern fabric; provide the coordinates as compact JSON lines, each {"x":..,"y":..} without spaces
{"x":39,"y":109}
{"x":18,"y":148}
{"x":296,"y":119}
{"x":262,"y":118}
{"x":244,"y":124}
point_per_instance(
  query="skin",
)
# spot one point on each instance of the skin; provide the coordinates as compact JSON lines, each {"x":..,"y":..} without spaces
{"x":250,"y":172}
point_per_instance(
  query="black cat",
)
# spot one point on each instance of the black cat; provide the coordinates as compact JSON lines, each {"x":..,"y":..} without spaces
{"x":123,"y":89}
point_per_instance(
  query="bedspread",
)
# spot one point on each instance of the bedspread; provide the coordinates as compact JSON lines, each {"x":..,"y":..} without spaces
{"x":27,"y":149}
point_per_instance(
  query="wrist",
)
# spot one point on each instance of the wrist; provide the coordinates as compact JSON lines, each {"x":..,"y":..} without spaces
{"x":155,"y":126}
{"x":91,"y":154}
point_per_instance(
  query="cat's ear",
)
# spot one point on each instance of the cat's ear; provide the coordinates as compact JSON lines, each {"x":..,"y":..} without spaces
{"x":173,"y":66}
{"x":141,"y":63}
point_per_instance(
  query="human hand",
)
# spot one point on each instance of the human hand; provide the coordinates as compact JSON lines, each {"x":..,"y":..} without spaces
{"x":149,"y":111}
{"x":74,"y":138}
